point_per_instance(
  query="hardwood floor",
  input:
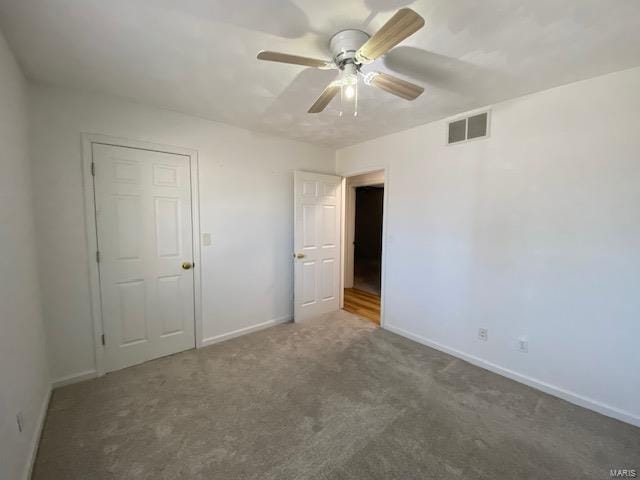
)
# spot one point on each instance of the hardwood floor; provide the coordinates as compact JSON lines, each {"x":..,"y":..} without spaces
{"x":362,"y":303}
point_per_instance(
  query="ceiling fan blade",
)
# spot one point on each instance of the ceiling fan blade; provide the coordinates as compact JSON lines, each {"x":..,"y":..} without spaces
{"x":396,"y":86}
{"x":403,"y":24}
{"x":293,"y":59}
{"x":325,"y":97}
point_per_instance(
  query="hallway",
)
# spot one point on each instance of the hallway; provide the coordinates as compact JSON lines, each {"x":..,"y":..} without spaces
{"x":364,"y":304}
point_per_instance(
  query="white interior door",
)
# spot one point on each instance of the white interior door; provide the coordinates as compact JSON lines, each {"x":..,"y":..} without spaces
{"x":316,"y":244}
{"x":143,"y":217}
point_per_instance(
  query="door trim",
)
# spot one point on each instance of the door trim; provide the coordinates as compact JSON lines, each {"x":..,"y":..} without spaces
{"x":91,"y":232}
{"x":350,"y":214}
{"x":343,"y":253}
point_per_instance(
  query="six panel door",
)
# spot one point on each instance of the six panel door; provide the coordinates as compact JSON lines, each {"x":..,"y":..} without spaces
{"x":317,"y":213}
{"x":143,"y":217}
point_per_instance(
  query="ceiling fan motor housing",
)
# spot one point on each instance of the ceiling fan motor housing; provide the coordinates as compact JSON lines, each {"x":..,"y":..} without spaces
{"x":345,"y":44}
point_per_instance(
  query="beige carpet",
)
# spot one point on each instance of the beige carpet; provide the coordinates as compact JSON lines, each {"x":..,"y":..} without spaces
{"x":336,"y":398}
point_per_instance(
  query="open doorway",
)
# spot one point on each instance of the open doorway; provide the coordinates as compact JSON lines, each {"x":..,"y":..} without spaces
{"x":363,"y":255}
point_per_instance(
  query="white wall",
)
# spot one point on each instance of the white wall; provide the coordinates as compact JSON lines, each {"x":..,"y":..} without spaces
{"x":533,"y":232}
{"x":246,"y":202}
{"x":24,"y":377}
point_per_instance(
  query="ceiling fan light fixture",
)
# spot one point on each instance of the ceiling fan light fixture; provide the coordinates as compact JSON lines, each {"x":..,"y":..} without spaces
{"x":349,"y":91}
{"x":348,"y":80}
{"x":349,"y":98}
{"x":348,"y":74}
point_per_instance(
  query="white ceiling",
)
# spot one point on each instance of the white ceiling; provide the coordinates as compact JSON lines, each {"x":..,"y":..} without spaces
{"x":198,"y":56}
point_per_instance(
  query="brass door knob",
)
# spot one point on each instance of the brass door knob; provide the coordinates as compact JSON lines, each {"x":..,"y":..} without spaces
{"x":300,"y":255}
{"x":187,"y":265}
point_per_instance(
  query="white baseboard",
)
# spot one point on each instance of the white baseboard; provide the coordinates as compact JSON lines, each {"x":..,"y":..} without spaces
{"x":37,"y":433}
{"x":243,"y":331}
{"x":74,"y":378}
{"x":567,"y":395}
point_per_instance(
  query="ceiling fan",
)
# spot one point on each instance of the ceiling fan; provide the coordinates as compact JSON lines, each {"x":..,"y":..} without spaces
{"x":353,"y":48}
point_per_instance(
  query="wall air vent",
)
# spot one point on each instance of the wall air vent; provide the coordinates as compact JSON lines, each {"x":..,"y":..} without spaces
{"x":469,"y":128}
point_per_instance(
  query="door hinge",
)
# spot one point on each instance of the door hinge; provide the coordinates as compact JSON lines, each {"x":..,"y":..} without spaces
{"x":97,"y":256}
{"x":93,"y":169}
{"x":102,"y":339}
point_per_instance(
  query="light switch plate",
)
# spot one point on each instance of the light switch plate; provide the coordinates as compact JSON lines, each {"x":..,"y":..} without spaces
{"x":206,"y":239}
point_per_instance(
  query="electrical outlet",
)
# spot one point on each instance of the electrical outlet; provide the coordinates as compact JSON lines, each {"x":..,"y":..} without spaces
{"x":20,"y":421}
{"x":523,"y":345}
{"x":483,"y":334}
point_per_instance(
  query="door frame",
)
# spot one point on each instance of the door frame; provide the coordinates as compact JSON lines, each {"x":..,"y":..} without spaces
{"x":343,"y":251}
{"x":91,"y":232}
